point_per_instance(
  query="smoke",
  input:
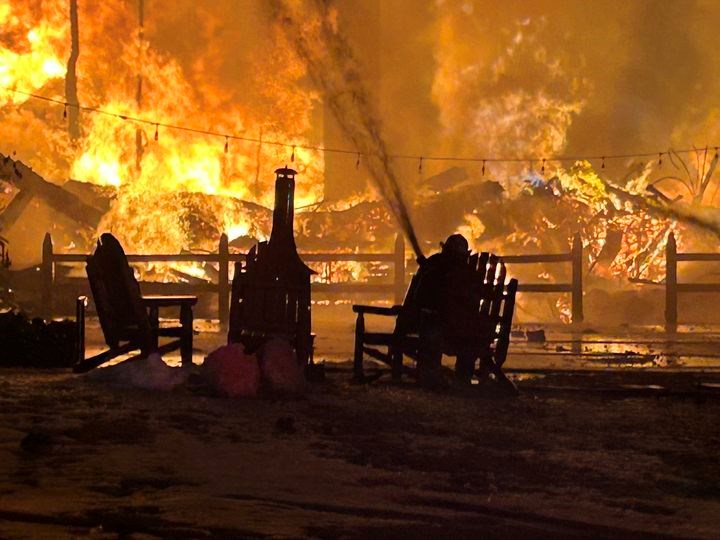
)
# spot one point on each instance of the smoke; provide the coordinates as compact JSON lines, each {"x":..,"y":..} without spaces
{"x":576,"y":77}
{"x":502,"y":88}
{"x":333,"y":68}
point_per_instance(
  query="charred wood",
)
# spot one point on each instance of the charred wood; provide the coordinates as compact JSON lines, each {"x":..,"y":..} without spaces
{"x":25,"y":179}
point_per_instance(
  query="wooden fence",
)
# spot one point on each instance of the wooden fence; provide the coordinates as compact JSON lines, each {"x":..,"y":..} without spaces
{"x":575,"y":287}
{"x":397,"y":258}
{"x":673,"y":288}
{"x":223,"y":257}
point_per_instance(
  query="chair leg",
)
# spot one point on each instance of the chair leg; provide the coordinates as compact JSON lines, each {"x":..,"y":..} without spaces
{"x":186,"y":340}
{"x":358,"y":356}
{"x":396,"y":358}
{"x":154,"y":316}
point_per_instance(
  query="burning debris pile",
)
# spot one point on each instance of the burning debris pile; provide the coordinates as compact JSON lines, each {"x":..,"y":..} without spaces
{"x":163,"y":190}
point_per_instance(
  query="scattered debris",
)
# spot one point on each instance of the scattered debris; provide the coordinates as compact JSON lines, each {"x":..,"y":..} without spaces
{"x":148,"y":373}
{"x":285,"y":425}
{"x":535,"y":336}
{"x":29,"y":342}
{"x":281,"y":371}
{"x":230,"y":372}
{"x":37,"y":441}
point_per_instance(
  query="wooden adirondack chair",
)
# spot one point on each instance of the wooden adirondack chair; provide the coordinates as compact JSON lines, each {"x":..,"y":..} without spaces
{"x":496,"y":307}
{"x":129,"y":320}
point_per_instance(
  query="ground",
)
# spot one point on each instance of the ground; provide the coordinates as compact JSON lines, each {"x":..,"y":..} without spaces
{"x":353,"y":461}
{"x":598,"y":453}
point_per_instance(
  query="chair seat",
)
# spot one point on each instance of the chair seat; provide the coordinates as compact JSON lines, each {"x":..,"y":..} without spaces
{"x":159,"y":300}
{"x":259,"y":334}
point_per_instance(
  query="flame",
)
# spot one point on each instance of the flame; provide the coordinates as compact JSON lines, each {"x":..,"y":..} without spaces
{"x":152,"y":211}
{"x":160,"y":194}
{"x":37,"y":48}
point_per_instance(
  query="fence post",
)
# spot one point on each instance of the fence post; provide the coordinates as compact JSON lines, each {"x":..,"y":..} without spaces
{"x":671,"y":284}
{"x":46,"y":275}
{"x":577,"y":279}
{"x":399,"y":268}
{"x":223,"y":273}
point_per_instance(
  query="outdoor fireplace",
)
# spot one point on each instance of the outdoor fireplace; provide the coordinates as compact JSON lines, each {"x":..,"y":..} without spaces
{"x":271,"y":288}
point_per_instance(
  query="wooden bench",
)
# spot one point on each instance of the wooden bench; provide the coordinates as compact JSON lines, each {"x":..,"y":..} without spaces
{"x":129,"y":320}
{"x":496,"y":307}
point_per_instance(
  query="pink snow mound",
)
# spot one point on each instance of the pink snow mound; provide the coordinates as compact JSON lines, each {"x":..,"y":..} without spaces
{"x":280,"y":368}
{"x":232,"y":373}
{"x":150,"y":373}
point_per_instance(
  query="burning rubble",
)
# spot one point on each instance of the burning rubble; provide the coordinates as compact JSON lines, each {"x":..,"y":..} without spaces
{"x":163,"y":190}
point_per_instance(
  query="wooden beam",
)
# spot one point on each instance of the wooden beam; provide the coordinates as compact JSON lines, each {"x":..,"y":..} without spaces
{"x":24,"y":178}
{"x":15,"y":209}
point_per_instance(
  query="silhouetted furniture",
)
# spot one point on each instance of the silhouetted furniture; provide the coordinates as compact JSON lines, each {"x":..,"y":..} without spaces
{"x":271,"y":290}
{"x":496,"y":307}
{"x":129,"y":321}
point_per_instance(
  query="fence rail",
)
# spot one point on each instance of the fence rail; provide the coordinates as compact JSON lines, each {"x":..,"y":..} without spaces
{"x":673,"y":287}
{"x":575,"y":287}
{"x":223,"y":257}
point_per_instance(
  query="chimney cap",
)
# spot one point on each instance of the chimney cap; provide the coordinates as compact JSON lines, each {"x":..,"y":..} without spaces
{"x":285,"y":171}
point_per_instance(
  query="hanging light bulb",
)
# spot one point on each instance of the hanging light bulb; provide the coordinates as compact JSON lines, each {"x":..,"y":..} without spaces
{"x":65,"y":111}
{"x":292,"y":156}
{"x":227,"y":144}
{"x":420,"y":165}
{"x":157,"y":135}
{"x":357,"y":163}
{"x":483,"y":168}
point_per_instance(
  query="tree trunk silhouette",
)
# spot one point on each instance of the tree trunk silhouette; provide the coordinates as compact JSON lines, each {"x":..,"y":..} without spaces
{"x":71,"y":96}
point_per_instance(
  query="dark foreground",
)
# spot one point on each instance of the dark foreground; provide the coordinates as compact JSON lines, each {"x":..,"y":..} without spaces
{"x":78,"y":459}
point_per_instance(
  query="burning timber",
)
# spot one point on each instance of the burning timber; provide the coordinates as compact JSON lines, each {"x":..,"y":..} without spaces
{"x":30,"y":184}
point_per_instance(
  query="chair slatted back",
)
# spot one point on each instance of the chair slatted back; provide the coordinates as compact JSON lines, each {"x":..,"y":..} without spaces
{"x":117,"y":295}
{"x":505,"y":323}
{"x":264,"y":304}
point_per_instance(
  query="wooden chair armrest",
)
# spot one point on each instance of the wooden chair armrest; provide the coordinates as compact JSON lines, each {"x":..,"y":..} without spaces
{"x":377,"y":310}
{"x":166,"y":301}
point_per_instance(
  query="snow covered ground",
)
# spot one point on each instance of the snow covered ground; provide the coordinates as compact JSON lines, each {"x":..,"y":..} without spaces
{"x":80,"y":458}
{"x":615,"y":434}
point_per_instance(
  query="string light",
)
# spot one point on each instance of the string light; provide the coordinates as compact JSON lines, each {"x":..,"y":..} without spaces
{"x":318,"y":148}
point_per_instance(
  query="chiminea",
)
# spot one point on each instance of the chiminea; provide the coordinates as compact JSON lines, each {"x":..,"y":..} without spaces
{"x":281,"y":248}
{"x":271,"y":291}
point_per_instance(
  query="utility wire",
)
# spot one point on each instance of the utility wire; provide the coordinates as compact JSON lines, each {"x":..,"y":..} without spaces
{"x":326,"y":149}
